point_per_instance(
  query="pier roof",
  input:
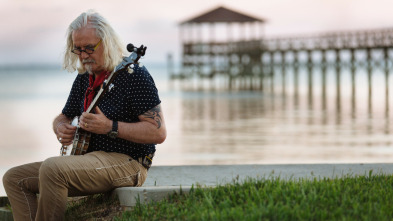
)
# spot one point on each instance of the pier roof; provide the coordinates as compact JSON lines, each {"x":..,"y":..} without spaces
{"x":222,"y":14}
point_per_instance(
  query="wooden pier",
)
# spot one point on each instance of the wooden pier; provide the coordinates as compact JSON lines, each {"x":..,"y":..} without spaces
{"x":248,"y":61}
{"x":227,"y":50}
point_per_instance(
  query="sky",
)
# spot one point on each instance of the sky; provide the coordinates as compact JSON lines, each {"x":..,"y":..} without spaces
{"x":33,"y":31}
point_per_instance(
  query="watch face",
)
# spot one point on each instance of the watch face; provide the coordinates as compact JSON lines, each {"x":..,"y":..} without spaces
{"x":112,"y":134}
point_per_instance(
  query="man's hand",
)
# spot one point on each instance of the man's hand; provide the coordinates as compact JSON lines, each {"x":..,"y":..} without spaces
{"x":96,"y":123}
{"x":65,"y":133}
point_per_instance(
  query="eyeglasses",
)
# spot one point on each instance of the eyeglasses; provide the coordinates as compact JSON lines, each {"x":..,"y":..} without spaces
{"x":88,"y":50}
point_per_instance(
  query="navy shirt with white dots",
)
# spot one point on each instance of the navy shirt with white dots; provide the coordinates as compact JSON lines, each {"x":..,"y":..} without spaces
{"x":131,"y":95}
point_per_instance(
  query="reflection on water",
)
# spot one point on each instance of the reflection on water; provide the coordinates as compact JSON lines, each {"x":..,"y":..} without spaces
{"x":287,"y":124}
{"x":317,"y":114}
{"x":244,"y":127}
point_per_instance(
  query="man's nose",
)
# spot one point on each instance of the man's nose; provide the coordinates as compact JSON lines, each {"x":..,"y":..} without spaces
{"x":84,"y":55}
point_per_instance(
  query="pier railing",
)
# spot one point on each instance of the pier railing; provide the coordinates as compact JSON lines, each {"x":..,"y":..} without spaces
{"x":258,"y":61}
{"x":214,"y":56}
{"x":380,"y":38}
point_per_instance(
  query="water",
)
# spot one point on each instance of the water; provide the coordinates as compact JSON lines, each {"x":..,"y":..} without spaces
{"x":216,"y":127}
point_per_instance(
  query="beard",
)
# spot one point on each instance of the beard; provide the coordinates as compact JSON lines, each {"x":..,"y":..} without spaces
{"x":88,"y":68}
{"x":87,"y":64}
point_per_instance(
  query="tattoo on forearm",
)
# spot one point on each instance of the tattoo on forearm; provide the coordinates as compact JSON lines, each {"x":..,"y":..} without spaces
{"x":154,"y":114}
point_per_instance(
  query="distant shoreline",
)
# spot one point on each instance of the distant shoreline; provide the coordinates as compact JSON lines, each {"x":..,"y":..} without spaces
{"x":7,"y":67}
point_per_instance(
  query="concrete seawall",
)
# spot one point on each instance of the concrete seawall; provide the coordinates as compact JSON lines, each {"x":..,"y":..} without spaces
{"x":221,"y":174}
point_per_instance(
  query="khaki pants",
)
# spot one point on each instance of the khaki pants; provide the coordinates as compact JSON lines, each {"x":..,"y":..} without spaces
{"x":59,"y":177}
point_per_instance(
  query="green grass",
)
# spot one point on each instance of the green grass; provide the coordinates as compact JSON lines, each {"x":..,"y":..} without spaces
{"x":367,"y":197}
{"x":95,"y":207}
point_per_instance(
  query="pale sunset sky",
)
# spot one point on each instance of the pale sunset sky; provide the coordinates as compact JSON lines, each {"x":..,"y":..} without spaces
{"x":33,"y":31}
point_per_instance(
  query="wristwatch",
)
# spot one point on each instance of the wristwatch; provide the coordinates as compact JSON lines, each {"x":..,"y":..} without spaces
{"x":114,"y":132}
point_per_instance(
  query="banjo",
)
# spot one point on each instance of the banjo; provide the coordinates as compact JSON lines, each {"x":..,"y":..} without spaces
{"x":82,"y":137}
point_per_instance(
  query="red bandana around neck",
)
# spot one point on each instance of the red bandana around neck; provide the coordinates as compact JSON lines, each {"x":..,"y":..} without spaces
{"x":94,"y":85}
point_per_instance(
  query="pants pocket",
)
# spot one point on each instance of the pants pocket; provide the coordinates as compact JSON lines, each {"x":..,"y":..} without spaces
{"x":133,"y":175}
{"x":127,"y":181}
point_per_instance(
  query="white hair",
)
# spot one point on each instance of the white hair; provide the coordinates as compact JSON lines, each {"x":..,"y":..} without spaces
{"x":111,"y":43}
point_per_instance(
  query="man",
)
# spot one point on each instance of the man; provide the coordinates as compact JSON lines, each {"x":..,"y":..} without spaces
{"x":124,"y":128}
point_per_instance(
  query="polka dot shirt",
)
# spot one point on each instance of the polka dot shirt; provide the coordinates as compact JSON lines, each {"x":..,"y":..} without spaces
{"x":131,"y":95}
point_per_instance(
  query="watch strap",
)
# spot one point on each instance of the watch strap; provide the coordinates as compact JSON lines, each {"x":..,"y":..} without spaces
{"x":115,"y":126}
{"x":114,"y":132}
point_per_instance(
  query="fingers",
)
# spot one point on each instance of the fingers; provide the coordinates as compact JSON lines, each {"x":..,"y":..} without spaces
{"x":65,"y":133}
{"x":98,"y":111}
{"x":66,"y":130}
{"x":70,"y":127}
{"x":88,"y":125}
{"x":66,"y":142}
{"x":86,"y":116}
{"x":96,"y":123}
{"x":66,"y":139}
{"x":85,"y":120}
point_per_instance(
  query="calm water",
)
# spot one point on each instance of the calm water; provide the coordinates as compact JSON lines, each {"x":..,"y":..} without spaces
{"x":217,"y":127}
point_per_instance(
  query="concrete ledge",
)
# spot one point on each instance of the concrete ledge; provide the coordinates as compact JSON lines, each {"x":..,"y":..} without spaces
{"x":129,"y":196}
{"x":5,"y":214}
{"x":221,"y":174}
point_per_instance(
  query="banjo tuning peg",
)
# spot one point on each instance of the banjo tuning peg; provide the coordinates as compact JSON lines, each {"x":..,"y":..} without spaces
{"x":130,"y":47}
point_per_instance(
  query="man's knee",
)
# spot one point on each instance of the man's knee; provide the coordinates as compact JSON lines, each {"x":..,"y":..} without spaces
{"x":50,"y":169}
{"x":23,"y":176}
{"x":10,"y":178}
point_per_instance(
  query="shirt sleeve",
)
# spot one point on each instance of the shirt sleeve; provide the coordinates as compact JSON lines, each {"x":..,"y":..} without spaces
{"x":144,"y":94}
{"x":74,"y":104}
